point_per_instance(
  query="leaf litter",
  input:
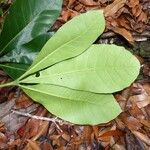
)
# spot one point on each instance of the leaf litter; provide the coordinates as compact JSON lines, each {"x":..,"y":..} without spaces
{"x":130,"y":130}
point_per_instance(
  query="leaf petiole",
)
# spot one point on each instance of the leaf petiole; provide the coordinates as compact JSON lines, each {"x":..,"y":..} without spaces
{"x":14,"y":83}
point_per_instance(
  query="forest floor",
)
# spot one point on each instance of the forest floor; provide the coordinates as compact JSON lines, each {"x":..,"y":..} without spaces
{"x":22,"y":124}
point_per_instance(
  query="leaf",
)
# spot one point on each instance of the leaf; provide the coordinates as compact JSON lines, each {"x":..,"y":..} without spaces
{"x":89,"y":2}
{"x":26,"y":20}
{"x":70,"y":40}
{"x":101,"y":69}
{"x":14,"y":70}
{"x":24,"y":57}
{"x":74,"y":106}
{"x":111,"y":9}
{"x":125,"y":33}
{"x":27,"y":52}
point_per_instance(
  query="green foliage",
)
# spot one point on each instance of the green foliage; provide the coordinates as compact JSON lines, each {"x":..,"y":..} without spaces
{"x":78,"y":107}
{"x":70,"y":40}
{"x":100,"y":69}
{"x":81,"y":73}
{"x":28,"y":21}
{"x":14,"y":70}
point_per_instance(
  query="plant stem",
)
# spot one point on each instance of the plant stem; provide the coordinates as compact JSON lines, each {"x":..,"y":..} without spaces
{"x":8,"y":84}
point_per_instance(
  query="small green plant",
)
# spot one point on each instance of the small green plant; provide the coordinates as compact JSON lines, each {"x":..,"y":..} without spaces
{"x":74,"y":79}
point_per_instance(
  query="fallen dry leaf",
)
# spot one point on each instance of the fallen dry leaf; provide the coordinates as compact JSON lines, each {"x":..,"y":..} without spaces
{"x":142,"y":136}
{"x":125,"y":33}
{"x":89,"y":2}
{"x":3,"y":140}
{"x":111,"y":9}
{"x":33,"y":144}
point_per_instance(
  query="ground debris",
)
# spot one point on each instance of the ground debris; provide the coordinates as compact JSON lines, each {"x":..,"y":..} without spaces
{"x":124,"y":17}
{"x":27,"y":125}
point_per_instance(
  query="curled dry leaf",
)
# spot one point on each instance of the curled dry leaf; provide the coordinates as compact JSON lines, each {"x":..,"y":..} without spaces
{"x":66,"y":137}
{"x":142,"y":136}
{"x":111,"y":9}
{"x":131,"y":141}
{"x":3,"y":140}
{"x":87,"y":134}
{"x":125,"y":33}
{"x":46,"y":146}
{"x":89,"y":2}
{"x":71,"y":2}
{"x":136,"y":111}
{"x":66,"y":15}
{"x":142,"y":99}
{"x":133,"y":3}
{"x":23,"y":102}
{"x":131,"y":122}
{"x":42,"y":130}
{"x":33,"y":145}
{"x":145,"y":122}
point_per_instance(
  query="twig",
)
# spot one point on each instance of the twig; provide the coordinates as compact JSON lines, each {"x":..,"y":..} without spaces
{"x":54,"y":120}
{"x":36,"y":117}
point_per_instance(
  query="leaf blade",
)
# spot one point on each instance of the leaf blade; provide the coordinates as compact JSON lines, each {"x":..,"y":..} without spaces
{"x":31,"y":12}
{"x":100,"y":69}
{"x":14,"y":70}
{"x":75,"y":106}
{"x":77,"y":40}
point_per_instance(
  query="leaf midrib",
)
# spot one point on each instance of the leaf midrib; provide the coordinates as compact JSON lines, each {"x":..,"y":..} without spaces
{"x":68,"y":99}
{"x":82,"y":70}
{"x":57,"y":50}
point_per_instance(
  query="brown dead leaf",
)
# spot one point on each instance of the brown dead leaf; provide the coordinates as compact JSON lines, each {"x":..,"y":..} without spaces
{"x":142,"y":136}
{"x":47,"y":146}
{"x":136,"y":112}
{"x":125,"y":33}
{"x":132,"y":142}
{"x":112,"y":133}
{"x":42,"y":130}
{"x":89,"y":2}
{"x":87,"y":133}
{"x":33,"y":144}
{"x":66,"y":15}
{"x":78,"y":7}
{"x":123,"y":22}
{"x":23,"y":102}
{"x":136,"y":10}
{"x":3,"y":140}
{"x":133,"y":3}
{"x":141,"y":100}
{"x":31,"y":128}
{"x":145,"y":122}
{"x":66,"y":137}
{"x":95,"y":130}
{"x":71,"y":2}
{"x":15,"y":143}
{"x":130,"y":122}
{"x":111,"y":9}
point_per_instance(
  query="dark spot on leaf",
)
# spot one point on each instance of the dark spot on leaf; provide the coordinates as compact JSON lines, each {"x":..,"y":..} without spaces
{"x":37,"y":74}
